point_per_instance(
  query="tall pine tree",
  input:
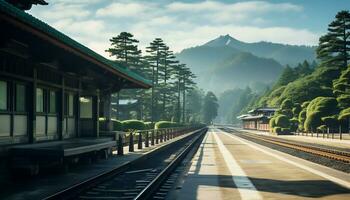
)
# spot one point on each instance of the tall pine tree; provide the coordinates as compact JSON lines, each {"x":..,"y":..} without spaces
{"x":333,"y":49}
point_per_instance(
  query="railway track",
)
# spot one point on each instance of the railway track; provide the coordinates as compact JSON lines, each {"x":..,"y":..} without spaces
{"x":140,"y":180}
{"x":318,"y":151}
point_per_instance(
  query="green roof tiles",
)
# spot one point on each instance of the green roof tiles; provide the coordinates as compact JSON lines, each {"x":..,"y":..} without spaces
{"x":47,"y":29}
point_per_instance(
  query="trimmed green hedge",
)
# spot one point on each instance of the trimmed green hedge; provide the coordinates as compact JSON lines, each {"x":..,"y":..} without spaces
{"x":133,"y":125}
{"x":116,"y":125}
{"x":282,"y":121}
{"x":166,"y":124}
{"x":277,"y":129}
{"x":149,"y":125}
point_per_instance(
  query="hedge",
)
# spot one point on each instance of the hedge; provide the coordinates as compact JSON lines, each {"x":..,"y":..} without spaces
{"x":166,"y":124}
{"x":272,"y":123}
{"x":282,"y":121}
{"x":277,"y":129}
{"x":318,"y":108}
{"x":133,"y":125}
{"x":149,"y":125}
{"x":116,"y":125}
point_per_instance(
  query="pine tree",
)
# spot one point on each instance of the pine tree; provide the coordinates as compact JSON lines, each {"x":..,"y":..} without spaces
{"x":166,"y":71}
{"x":334,"y":47}
{"x":154,"y":57}
{"x":124,"y":48}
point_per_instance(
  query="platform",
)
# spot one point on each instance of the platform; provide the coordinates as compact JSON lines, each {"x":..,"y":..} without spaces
{"x":314,"y":140}
{"x":228,"y":167}
{"x":62,"y":148}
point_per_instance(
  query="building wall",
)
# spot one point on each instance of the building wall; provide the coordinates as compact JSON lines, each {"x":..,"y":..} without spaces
{"x":38,"y":103}
{"x":256,"y":125}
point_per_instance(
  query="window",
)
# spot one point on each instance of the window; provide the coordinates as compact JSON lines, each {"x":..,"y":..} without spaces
{"x":70,"y":104}
{"x":20,"y":98}
{"x":3,"y":95}
{"x":86,"y":107}
{"x":39,"y":100}
{"x":52,"y":102}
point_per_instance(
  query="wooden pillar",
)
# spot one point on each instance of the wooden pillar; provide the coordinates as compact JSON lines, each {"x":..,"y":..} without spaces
{"x":97,"y":113}
{"x":77,"y":110}
{"x":61,"y":111}
{"x":32,"y":108}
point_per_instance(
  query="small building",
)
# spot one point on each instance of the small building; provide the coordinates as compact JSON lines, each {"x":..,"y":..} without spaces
{"x":257,"y":119}
{"x":52,"y":88}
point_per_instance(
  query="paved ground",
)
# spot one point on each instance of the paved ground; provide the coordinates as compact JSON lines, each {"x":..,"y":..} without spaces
{"x":42,"y":186}
{"x":228,"y":167}
{"x":324,"y":141}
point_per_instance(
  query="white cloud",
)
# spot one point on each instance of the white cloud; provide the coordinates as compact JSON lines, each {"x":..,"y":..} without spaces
{"x":62,"y":10}
{"x":123,"y":10}
{"x":249,"y":6}
{"x":180,"y":24}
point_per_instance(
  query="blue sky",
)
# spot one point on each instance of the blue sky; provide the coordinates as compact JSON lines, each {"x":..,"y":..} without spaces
{"x":183,"y":24}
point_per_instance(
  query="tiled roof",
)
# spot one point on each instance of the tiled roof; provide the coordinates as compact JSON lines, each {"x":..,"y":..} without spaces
{"x":52,"y":32}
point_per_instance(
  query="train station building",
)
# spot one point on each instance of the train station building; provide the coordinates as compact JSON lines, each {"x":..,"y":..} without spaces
{"x":52,"y":88}
{"x":257,"y":119}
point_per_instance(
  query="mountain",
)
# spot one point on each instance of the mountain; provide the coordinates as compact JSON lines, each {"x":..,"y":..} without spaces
{"x":226,"y":63}
{"x":242,"y":69}
{"x":282,"y":53}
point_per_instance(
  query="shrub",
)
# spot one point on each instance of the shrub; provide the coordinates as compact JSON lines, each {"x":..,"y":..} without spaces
{"x":282,"y":121}
{"x":287,"y":104}
{"x":277,"y":130}
{"x":166,"y":124}
{"x":285,"y":130}
{"x":116,"y":125}
{"x":318,"y":108}
{"x":149,"y":125}
{"x":322,"y":128}
{"x":272,"y":123}
{"x":133,"y":125}
{"x":313,"y":120}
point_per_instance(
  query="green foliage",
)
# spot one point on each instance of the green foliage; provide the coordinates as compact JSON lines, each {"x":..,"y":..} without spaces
{"x":313,"y":120}
{"x":272,"y":123}
{"x":344,"y":114}
{"x":133,"y":125}
{"x":330,"y":121}
{"x":285,"y":130}
{"x":277,"y":130}
{"x":116,"y":125}
{"x":322,"y":128}
{"x":282,"y":121}
{"x":210,"y":107}
{"x":333,"y":47}
{"x":166,"y":124}
{"x":149,"y":125}
{"x":318,"y":108}
{"x":301,"y":119}
{"x":287,"y":104}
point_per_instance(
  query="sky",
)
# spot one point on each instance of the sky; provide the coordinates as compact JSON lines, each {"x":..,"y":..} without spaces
{"x":189,"y":23}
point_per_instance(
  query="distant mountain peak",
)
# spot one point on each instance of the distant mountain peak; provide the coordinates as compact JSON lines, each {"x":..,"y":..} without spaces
{"x":223,"y":40}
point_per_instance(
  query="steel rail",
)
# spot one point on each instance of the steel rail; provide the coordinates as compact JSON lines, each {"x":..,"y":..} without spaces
{"x":155,"y":184}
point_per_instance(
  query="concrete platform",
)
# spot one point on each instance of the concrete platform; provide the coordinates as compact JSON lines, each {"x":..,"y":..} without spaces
{"x":315,"y":140}
{"x":45,"y":185}
{"x":228,"y":167}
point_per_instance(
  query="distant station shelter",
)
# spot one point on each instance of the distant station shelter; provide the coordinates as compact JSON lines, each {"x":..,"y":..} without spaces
{"x":52,"y":88}
{"x":257,"y":119}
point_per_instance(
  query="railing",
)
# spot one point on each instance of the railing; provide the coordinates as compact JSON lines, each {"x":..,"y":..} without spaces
{"x":329,"y":135}
{"x":145,"y":137}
